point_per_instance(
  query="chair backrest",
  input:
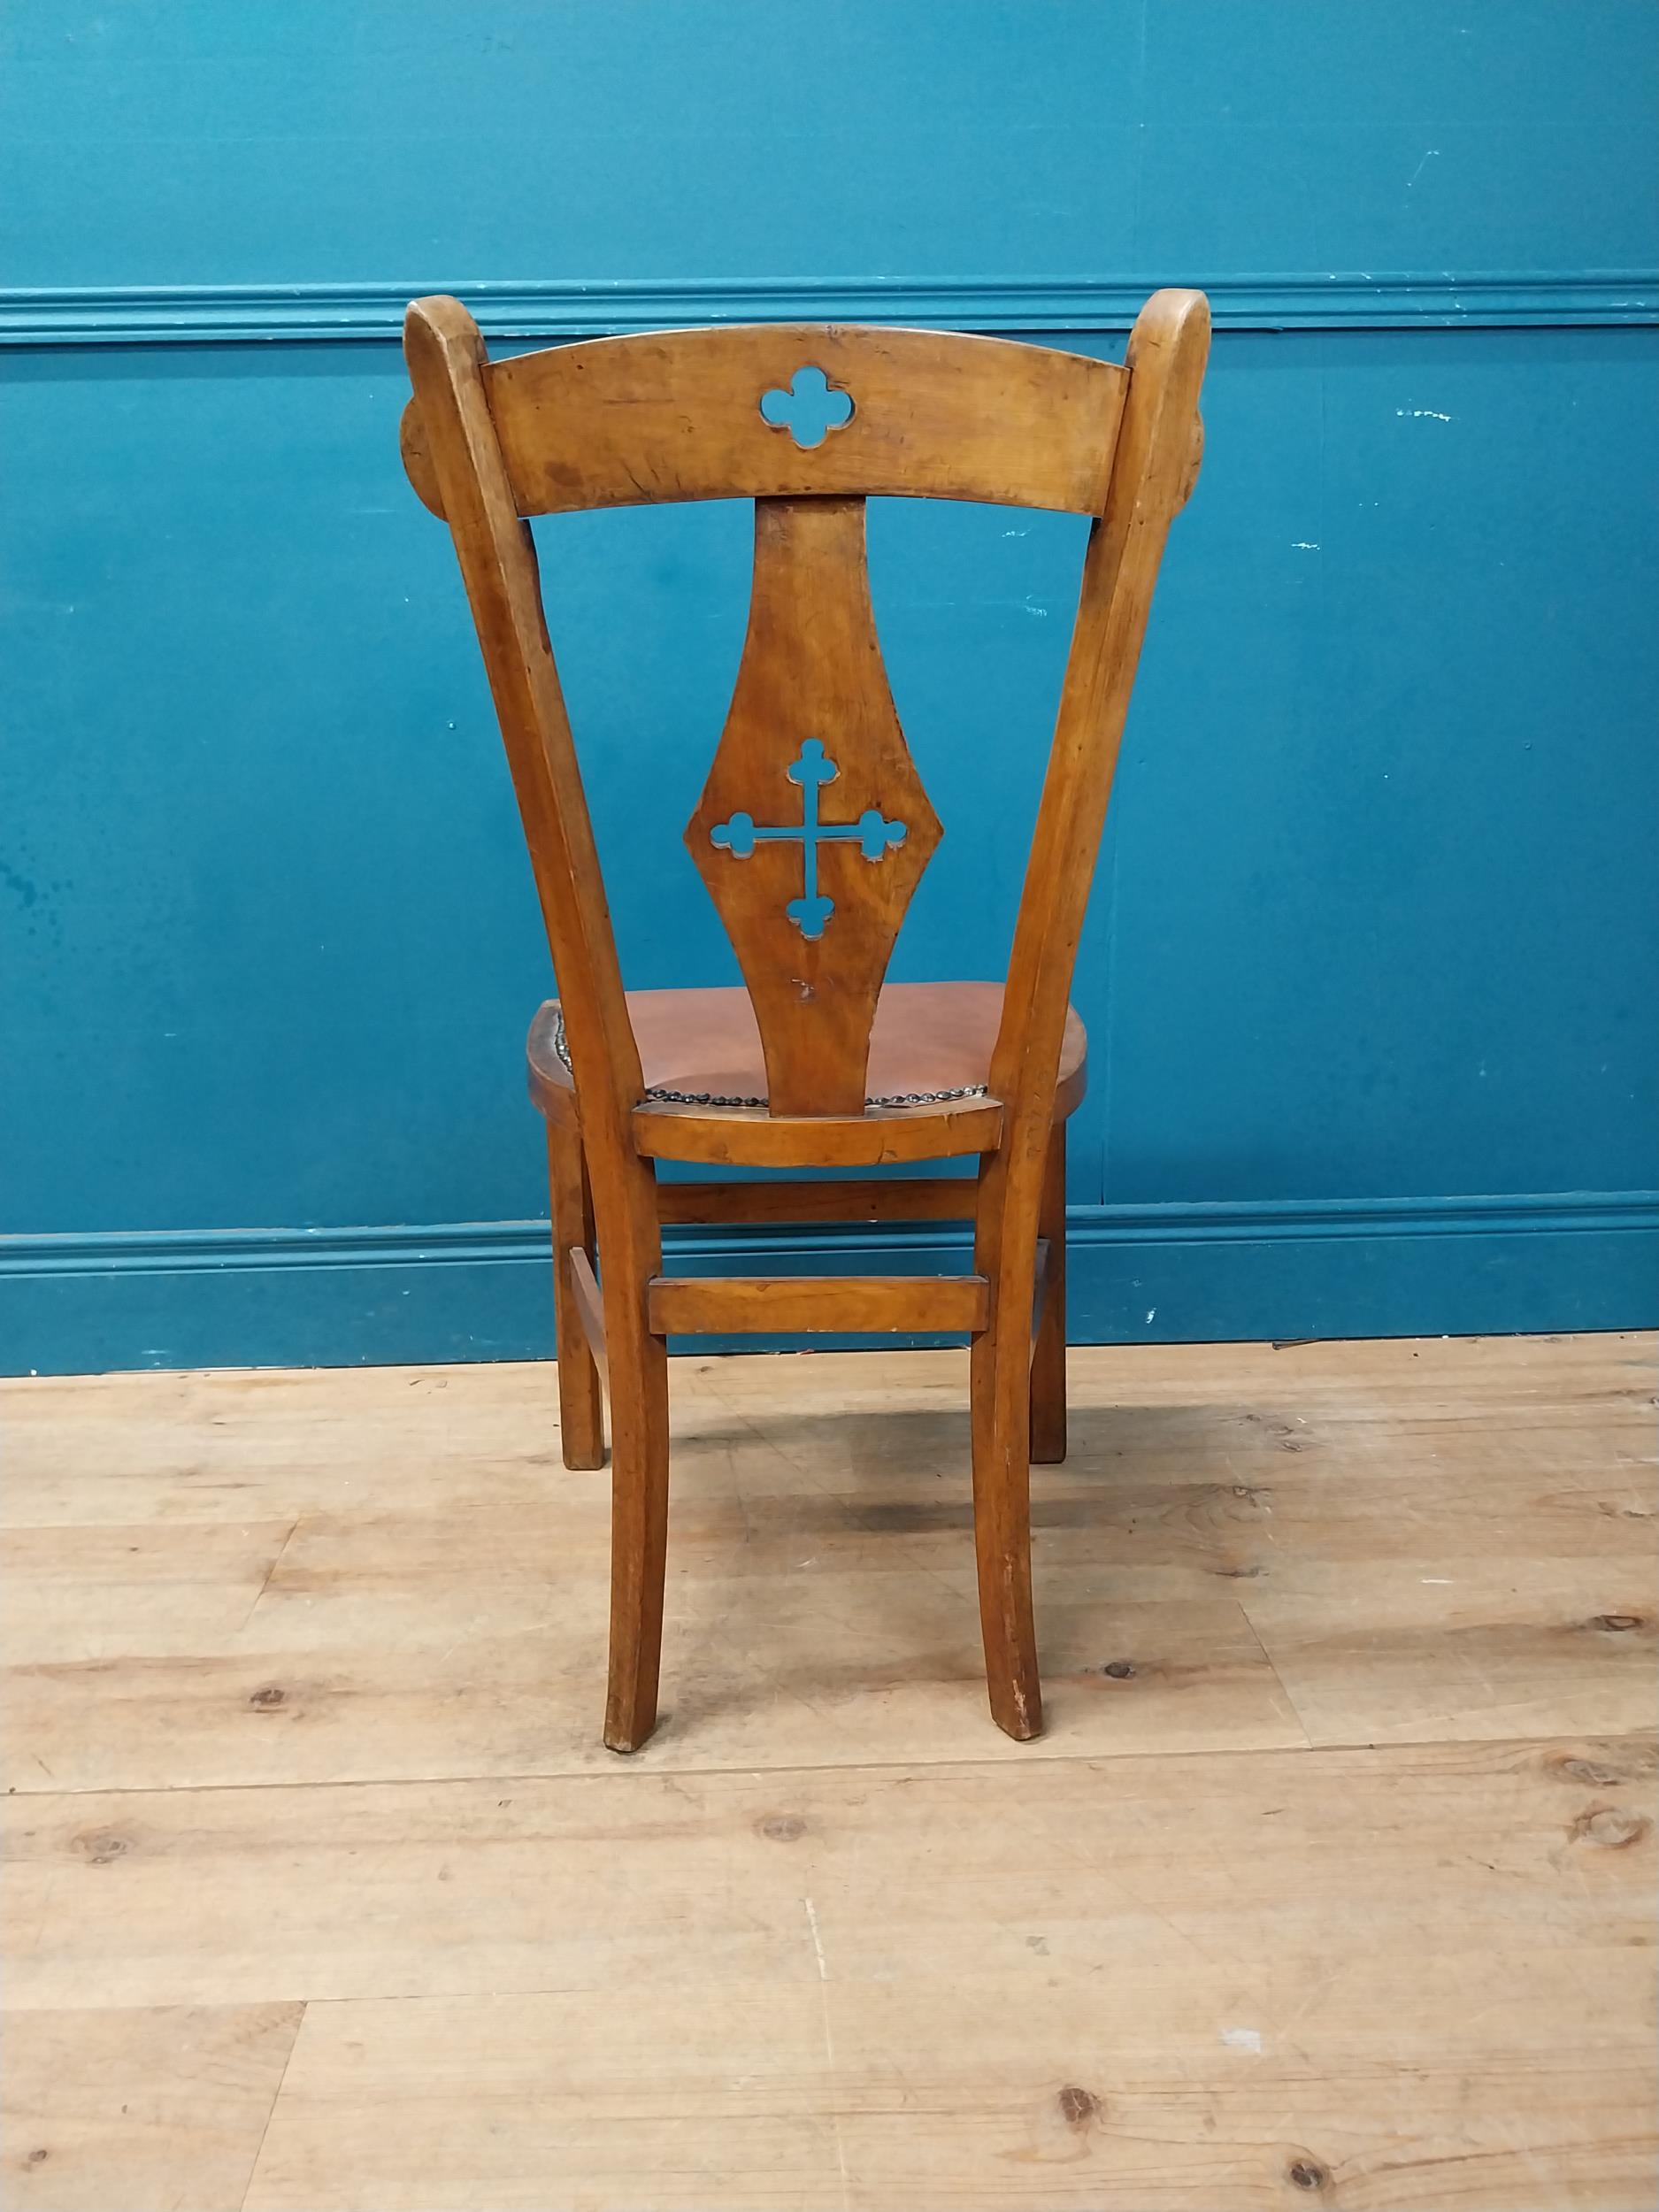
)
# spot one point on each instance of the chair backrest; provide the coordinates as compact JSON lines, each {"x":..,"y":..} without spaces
{"x":813,"y":829}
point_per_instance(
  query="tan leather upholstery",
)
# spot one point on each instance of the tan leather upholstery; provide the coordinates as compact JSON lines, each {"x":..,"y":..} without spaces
{"x":930,"y":1040}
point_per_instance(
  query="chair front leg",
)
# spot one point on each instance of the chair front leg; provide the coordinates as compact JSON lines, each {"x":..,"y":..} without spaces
{"x":1048,"y":1353}
{"x":1005,"y":1246}
{"x":581,"y":1410}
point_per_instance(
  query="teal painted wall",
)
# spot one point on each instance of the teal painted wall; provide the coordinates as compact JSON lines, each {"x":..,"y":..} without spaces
{"x":1371,"y":969}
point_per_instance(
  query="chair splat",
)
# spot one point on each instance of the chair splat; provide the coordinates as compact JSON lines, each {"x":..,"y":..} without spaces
{"x":812,"y":908}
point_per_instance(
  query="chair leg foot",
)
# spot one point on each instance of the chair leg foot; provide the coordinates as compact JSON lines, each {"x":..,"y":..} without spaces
{"x":1048,"y":1354}
{"x":1001,"y":1530}
{"x":582,"y":1405}
{"x":639,"y":1530}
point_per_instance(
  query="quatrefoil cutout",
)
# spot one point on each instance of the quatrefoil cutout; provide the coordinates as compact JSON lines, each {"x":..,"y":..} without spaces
{"x":810,"y":409}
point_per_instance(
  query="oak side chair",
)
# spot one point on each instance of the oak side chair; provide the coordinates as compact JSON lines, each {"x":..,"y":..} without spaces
{"x":811,"y":835}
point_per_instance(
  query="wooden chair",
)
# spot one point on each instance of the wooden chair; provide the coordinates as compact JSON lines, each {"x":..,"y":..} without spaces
{"x":811,"y":834}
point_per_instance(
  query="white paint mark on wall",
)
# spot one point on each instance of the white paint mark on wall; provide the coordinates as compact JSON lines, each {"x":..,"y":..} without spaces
{"x":1152,"y":1315}
{"x":1304,"y":545}
{"x":1432,"y":154}
{"x":1242,"y":2039}
{"x":1421,"y":414}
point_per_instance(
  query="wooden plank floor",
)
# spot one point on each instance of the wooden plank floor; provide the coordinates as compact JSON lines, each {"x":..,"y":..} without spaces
{"x":1332,"y":1883}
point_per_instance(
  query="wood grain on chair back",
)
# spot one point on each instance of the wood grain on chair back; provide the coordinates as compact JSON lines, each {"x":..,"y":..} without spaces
{"x":677,"y":414}
{"x":813,"y":829}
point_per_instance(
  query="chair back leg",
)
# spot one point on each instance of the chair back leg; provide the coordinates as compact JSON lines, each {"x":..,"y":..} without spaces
{"x":1005,"y":1253}
{"x":639,"y":1527}
{"x":1001,"y":1401}
{"x":630,"y":1257}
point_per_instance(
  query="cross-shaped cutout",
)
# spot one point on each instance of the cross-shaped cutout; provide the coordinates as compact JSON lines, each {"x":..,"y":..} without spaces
{"x":810,"y":409}
{"x":875,"y":834}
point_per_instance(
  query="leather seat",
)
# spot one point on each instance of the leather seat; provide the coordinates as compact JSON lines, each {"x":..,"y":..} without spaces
{"x":931,"y":1041}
